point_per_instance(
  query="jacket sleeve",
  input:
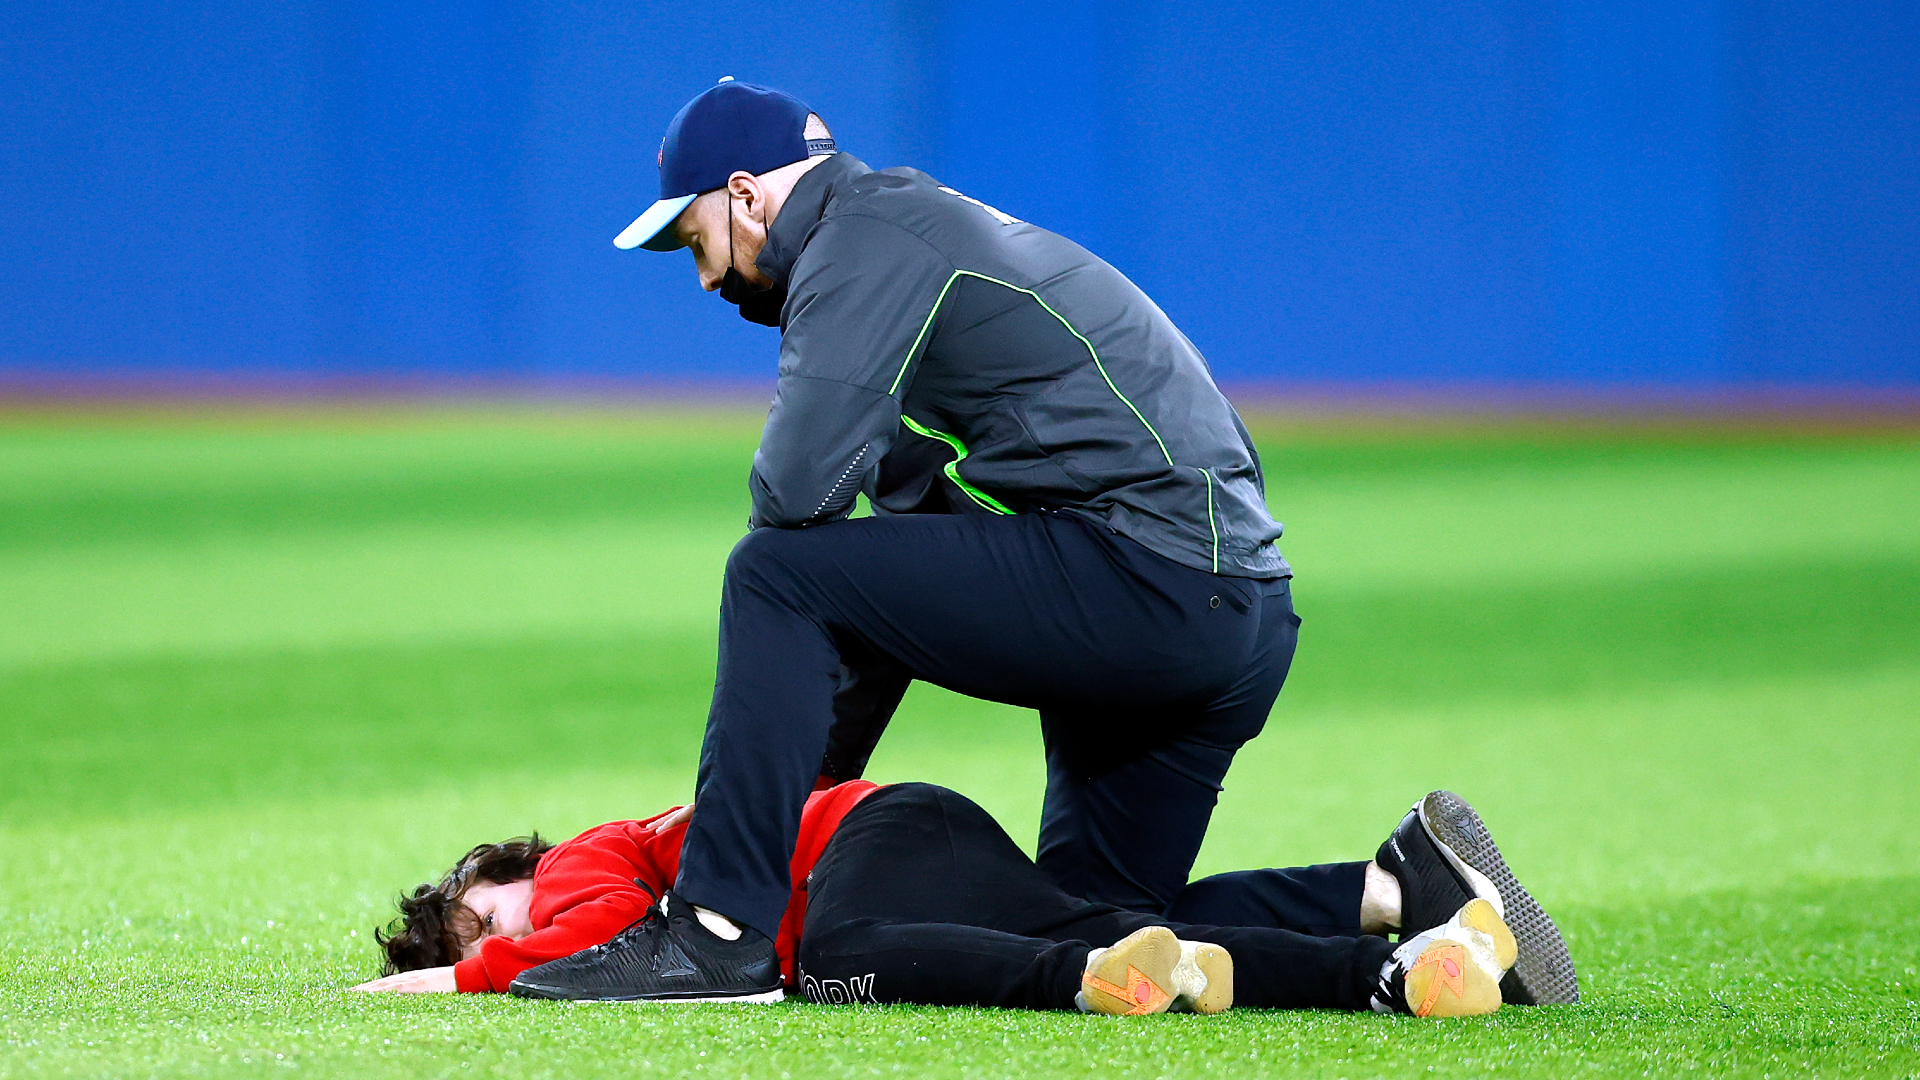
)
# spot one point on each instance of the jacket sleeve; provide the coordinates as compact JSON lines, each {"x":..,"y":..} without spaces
{"x":609,"y":910}
{"x":860,"y":308}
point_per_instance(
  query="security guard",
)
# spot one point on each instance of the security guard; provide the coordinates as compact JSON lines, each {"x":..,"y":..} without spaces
{"x":1068,"y":516}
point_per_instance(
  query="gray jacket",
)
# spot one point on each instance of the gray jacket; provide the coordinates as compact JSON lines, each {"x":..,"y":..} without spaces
{"x":944,"y":357}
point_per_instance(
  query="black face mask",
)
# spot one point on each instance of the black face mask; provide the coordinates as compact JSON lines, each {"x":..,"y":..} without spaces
{"x":756,"y":305}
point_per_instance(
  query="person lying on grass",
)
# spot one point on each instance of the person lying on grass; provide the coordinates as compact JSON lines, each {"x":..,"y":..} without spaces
{"x":912,"y":893}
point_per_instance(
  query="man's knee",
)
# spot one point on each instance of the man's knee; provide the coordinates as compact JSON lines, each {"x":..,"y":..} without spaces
{"x":756,"y":548}
{"x":765,"y":557}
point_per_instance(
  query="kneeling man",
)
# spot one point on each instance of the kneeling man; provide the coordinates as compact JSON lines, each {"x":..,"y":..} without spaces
{"x":1069,"y":517}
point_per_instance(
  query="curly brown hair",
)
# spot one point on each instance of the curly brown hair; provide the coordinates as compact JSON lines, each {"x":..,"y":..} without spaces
{"x":434,"y":925}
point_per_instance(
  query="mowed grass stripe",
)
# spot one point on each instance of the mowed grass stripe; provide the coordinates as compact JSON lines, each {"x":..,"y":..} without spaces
{"x":397,"y":585}
{"x":1468,"y":641}
{"x":1685,"y":789}
{"x":291,"y":723}
{"x":99,"y":482}
{"x":1678,"y":791}
{"x":1625,"y":802}
{"x":399,"y":533}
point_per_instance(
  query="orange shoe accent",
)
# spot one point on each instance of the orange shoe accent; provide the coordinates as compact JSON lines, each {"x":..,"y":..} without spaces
{"x":1146,"y":996}
{"x":1452,"y":974}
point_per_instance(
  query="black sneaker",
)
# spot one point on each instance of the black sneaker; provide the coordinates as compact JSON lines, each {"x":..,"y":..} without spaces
{"x":1443,"y":857}
{"x":667,"y":956}
{"x":1543,"y":975}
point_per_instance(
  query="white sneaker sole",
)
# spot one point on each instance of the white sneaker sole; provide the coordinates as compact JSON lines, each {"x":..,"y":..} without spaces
{"x":771,"y":997}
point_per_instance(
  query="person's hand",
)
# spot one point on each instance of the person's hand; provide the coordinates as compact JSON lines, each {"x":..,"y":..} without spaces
{"x":435,"y":980}
{"x":676,"y":817}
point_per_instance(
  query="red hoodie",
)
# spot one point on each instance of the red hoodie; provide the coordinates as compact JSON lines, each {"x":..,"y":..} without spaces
{"x":584,"y":891}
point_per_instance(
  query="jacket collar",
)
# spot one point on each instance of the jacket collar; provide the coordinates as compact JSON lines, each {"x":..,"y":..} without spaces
{"x":802,"y":211}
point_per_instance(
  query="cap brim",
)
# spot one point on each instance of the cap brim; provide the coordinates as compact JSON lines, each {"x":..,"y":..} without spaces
{"x":650,"y":230}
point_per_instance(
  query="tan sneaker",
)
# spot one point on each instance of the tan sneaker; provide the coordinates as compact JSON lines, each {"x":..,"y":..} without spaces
{"x":1203,"y":978}
{"x":1455,"y":969}
{"x":1151,"y":971}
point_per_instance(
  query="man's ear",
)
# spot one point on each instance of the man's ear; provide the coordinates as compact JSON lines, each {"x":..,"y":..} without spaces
{"x":745,"y":187}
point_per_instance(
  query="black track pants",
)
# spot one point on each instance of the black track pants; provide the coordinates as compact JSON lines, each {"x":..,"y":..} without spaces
{"x":1148,"y":676}
{"x":922,"y":897}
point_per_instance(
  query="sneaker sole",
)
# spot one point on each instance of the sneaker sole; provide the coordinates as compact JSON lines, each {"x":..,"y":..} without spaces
{"x":1480,"y":914}
{"x":1447,"y":981}
{"x":1135,"y":976}
{"x":1204,"y":977}
{"x":769,"y":997}
{"x":1544,"y":973}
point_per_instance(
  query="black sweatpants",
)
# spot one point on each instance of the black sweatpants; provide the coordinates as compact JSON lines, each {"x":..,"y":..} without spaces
{"x":1148,"y":676}
{"x":922,"y":897}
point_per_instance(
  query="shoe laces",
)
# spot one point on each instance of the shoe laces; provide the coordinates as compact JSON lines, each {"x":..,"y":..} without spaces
{"x":647,"y":927}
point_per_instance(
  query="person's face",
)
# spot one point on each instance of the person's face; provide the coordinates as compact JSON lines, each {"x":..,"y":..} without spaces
{"x":726,"y":226}
{"x":500,"y":910}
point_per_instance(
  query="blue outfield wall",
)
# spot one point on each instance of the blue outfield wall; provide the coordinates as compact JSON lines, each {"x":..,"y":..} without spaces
{"x":1683,"y":192}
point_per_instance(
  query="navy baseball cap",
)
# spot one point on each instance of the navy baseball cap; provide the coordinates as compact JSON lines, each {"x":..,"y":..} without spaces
{"x":732,"y":127}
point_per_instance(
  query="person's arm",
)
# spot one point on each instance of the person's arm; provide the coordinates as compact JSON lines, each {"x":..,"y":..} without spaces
{"x":860,"y":309}
{"x":433,"y":980}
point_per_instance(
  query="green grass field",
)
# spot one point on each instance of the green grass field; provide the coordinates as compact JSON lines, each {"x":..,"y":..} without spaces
{"x":259,"y":670}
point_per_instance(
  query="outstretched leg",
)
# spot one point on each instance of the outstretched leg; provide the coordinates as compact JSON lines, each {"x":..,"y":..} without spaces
{"x":1324,"y":900}
{"x":922,"y":897}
